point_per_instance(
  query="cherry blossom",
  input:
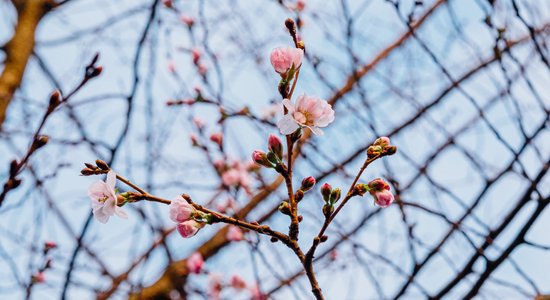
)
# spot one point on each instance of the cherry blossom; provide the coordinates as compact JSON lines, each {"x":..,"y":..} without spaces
{"x":194,"y":263}
{"x":180,"y":210}
{"x":189,"y":228}
{"x":284,"y":58}
{"x":104,"y":199}
{"x":234,"y":234}
{"x":309,"y":111}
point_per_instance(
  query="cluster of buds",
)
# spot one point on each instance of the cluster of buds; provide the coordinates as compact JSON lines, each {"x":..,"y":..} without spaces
{"x":100,"y":167}
{"x":189,"y":220}
{"x":307,"y":185}
{"x":273,"y":158}
{"x":379,"y":190}
{"x":331,"y":197}
{"x":381,"y":147}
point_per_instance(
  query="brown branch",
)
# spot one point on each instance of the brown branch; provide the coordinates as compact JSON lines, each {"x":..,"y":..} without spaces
{"x":20,"y":48}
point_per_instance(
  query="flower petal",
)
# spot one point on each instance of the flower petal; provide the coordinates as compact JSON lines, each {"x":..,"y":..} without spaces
{"x":121,"y":212}
{"x":287,"y":125}
{"x":316,"y":130}
{"x":288,"y":105}
{"x":111,"y":179}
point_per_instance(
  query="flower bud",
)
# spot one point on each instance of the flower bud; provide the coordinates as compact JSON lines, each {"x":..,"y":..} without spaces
{"x":377,"y":185}
{"x":299,"y":195}
{"x":41,"y":141}
{"x":324,"y":238}
{"x":326,"y":189}
{"x":102,"y":165}
{"x":380,"y":191}
{"x":88,"y":172}
{"x":389,"y":150}
{"x":328,"y":209}
{"x":260,"y":158}
{"x":382,"y":141}
{"x":217,"y":138}
{"x":274,"y":145}
{"x":360,"y":189}
{"x":284,"y":208}
{"x":55,"y":99}
{"x":335,"y":195}
{"x":307,"y":183}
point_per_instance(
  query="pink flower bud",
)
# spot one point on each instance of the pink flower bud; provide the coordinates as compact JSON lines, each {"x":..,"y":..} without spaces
{"x":198,"y":122}
{"x":217,"y":138}
{"x":194,"y":139}
{"x":274,"y":145}
{"x":380,"y":191}
{"x":188,"y":228}
{"x":237,"y":282}
{"x":326,"y":189}
{"x":234,"y":234}
{"x":307,"y":183}
{"x":171,"y":67}
{"x":167,"y":3}
{"x":300,"y":5}
{"x":194,"y":263}
{"x":283,"y":59}
{"x":196,"y":52}
{"x":214,"y":286}
{"x":38,"y":277}
{"x":383,"y":198}
{"x":260,"y":158}
{"x":48,"y":245}
{"x":203,"y":68}
{"x":187,"y":20}
{"x":180,"y":210}
{"x":382,"y":141}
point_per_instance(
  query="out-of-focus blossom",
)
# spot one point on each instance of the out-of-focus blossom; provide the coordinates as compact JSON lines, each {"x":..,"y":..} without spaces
{"x":194,"y":263}
{"x":199,"y":123}
{"x":48,"y":245}
{"x":225,"y":206}
{"x":237,"y":282}
{"x":237,"y":175}
{"x":104,"y":199}
{"x":167,"y":3}
{"x":38,"y":277}
{"x":234,"y":234}
{"x":333,"y":255}
{"x":187,"y":20}
{"x":300,"y":5}
{"x":271,"y":111}
{"x":214,"y":286}
{"x":203,"y":68}
{"x":180,"y":210}
{"x":309,"y":111}
{"x":189,"y":228}
{"x":256,"y":293}
{"x":217,"y":138}
{"x":284,"y":58}
{"x":196,"y":53}
{"x":171,"y":67}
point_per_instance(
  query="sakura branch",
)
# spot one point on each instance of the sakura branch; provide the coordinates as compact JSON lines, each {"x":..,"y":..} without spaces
{"x":38,"y":140}
{"x":308,"y":113}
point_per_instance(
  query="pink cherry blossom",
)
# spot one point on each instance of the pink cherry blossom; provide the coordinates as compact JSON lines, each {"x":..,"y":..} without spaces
{"x":104,"y":199}
{"x":380,"y":191}
{"x":189,"y":228}
{"x":283,"y":58}
{"x":194,"y":263}
{"x":383,"y":198}
{"x":180,"y":210}
{"x":234,"y":234}
{"x":237,"y":282}
{"x":300,"y":5}
{"x":309,"y":111}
